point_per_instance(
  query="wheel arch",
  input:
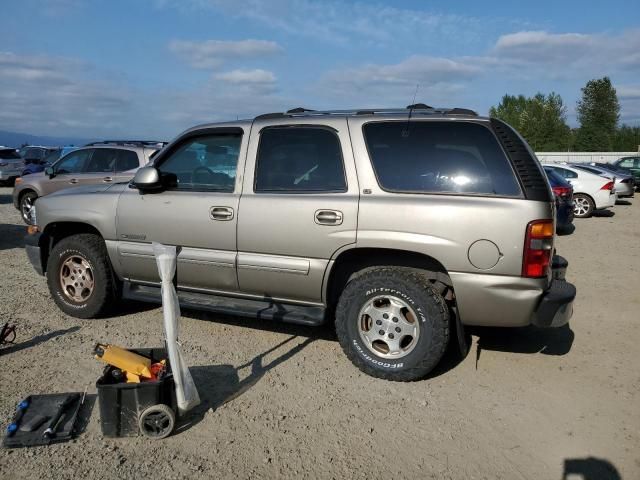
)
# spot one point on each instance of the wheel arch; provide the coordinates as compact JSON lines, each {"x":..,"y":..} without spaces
{"x":56,"y":231}
{"x":355,"y":261}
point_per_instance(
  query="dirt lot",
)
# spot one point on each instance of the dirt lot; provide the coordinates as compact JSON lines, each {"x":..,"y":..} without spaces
{"x":281,"y":400}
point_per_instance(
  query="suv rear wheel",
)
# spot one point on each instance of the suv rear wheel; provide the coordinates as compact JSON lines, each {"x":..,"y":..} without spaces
{"x":79,"y":275}
{"x":392,"y":324}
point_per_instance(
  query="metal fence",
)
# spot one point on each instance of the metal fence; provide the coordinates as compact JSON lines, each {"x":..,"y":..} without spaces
{"x":582,"y":157}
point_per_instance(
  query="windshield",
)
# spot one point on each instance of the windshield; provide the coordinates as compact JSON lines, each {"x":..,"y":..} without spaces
{"x":52,"y":156}
{"x":9,"y":154}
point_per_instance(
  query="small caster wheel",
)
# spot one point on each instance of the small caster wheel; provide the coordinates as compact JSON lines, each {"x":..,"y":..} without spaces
{"x":157,"y":421}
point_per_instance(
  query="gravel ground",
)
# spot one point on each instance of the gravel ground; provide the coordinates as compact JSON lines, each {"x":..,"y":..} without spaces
{"x":282,"y":400}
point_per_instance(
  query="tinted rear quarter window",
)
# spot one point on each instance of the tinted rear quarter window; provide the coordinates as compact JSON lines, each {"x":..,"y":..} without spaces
{"x":299,"y":159}
{"x":439,"y":157}
{"x":126,"y":160}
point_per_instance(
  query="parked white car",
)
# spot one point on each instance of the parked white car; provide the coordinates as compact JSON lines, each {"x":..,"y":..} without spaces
{"x":590,"y":191}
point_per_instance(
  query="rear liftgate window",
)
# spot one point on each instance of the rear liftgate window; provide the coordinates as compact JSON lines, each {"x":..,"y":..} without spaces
{"x":439,"y":157}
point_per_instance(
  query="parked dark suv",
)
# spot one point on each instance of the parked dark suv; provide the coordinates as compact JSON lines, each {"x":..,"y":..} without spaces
{"x":399,"y":225}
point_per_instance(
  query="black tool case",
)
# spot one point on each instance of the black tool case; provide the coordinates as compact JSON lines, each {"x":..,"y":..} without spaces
{"x":122,"y":403}
{"x":46,"y":405}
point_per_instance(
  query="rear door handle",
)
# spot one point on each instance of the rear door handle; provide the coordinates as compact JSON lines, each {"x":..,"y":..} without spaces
{"x":73,"y":180}
{"x":328,"y":217}
{"x":221,"y":213}
{"x":107,"y":179}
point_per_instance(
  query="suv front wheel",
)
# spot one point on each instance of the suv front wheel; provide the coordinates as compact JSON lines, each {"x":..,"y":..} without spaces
{"x":392,"y":324}
{"x":79,"y":276}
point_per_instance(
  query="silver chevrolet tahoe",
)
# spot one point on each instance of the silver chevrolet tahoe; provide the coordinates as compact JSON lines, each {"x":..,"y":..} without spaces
{"x":399,"y":225}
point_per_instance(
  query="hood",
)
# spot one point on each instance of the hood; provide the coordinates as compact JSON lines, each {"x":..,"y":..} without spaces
{"x":84,"y":189}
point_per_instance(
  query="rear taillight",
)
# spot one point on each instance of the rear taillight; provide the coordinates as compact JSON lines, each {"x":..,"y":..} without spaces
{"x":562,"y":192}
{"x":607,"y":186}
{"x":538,"y":245}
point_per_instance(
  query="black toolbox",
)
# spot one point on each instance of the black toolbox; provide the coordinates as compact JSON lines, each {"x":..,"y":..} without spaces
{"x":121,"y":404}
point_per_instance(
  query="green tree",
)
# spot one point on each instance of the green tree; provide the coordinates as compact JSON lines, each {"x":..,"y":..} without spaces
{"x":626,"y":139}
{"x":598,"y":114}
{"x":540,"y":119}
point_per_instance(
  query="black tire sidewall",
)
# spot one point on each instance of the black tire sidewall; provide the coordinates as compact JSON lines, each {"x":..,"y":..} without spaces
{"x":426,"y":353}
{"x":24,"y":196}
{"x":66,"y":248}
{"x":590,"y":203}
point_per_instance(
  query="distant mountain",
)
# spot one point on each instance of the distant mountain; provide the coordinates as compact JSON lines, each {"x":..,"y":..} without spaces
{"x":14,"y":139}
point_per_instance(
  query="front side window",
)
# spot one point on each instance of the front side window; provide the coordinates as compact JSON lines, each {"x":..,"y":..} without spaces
{"x":299,"y":159}
{"x":206,"y":162}
{"x":439,"y":157}
{"x":73,"y":162}
{"x":626,"y":162}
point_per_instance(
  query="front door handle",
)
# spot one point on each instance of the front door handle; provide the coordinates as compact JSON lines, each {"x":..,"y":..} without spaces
{"x":221,"y":213}
{"x":328,"y":217}
{"x":73,"y":180}
{"x":107,"y":179}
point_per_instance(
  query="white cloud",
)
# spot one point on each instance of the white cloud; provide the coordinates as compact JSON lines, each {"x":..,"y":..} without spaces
{"x":566,"y":50}
{"x":56,"y":95}
{"x":631,"y":92}
{"x":342,"y":22}
{"x":256,"y":76}
{"x":212,"y":53}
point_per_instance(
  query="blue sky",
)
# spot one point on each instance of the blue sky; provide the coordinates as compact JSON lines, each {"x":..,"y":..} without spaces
{"x":151,"y":68}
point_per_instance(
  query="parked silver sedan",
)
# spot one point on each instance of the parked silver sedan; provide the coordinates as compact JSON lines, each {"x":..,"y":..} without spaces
{"x":624,"y":183}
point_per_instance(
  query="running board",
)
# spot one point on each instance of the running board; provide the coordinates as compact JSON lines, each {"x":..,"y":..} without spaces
{"x":260,"y":309}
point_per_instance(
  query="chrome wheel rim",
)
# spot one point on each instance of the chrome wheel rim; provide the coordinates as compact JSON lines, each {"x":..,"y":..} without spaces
{"x":76,"y":279}
{"x":27,"y":205}
{"x":581,"y":206}
{"x":388,"y":327}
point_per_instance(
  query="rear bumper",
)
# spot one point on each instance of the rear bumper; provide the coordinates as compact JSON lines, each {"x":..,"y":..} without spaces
{"x":556,"y":305}
{"x":32,"y":247}
{"x":510,"y":301}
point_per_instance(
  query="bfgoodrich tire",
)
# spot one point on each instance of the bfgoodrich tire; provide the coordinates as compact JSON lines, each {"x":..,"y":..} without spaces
{"x":392,"y":324}
{"x":79,"y":276}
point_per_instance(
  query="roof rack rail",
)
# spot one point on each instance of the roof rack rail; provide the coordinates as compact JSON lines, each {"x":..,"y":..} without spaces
{"x":300,"y":110}
{"x":140,"y":143}
{"x":462,"y":111}
{"x":267,"y":116}
{"x":426,"y":109}
{"x":420,"y":106}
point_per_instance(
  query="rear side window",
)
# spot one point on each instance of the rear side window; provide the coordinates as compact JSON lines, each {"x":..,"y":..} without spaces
{"x":439,"y":157}
{"x":299,"y":159}
{"x":126,"y":160}
{"x":565,"y":173}
{"x":103,"y":160}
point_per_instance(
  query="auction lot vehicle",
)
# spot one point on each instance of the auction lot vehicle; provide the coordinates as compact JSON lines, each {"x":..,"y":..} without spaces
{"x":632,"y":165}
{"x":96,"y":163}
{"x":590,"y":191}
{"x":398,"y":224}
{"x":563,"y":192}
{"x":11,"y":164}
{"x":624,"y":182}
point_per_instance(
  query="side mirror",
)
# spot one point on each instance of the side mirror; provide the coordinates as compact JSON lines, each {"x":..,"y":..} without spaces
{"x":147,"y":179}
{"x":49,"y":171}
